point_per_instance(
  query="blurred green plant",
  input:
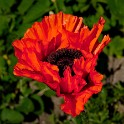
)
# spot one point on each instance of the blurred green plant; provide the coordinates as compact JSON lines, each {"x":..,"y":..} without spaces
{"x":21,"y":99}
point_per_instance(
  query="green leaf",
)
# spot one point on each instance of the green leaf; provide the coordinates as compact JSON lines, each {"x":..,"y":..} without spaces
{"x":2,"y":47}
{"x":113,"y":21}
{"x":9,"y":97}
{"x":117,"y":9}
{"x":40,"y":86}
{"x":22,"y":28}
{"x":84,"y":8}
{"x":6,"y":4}
{"x":66,"y":122}
{"x":107,"y":24}
{"x":37,"y":10}
{"x":100,"y":10}
{"x":39,"y":106}
{"x":81,"y":1}
{"x":115,"y":47}
{"x":49,"y":93}
{"x":2,"y":62}
{"x":81,"y":6}
{"x":24,"y":6}
{"x":83,"y":117}
{"x":1,"y":88}
{"x":11,"y":116}
{"x":26,"y":106}
{"x":23,"y":86}
{"x":4,"y":20}
{"x":2,"y":65}
{"x":26,"y":91}
{"x":60,"y":4}
{"x":13,"y":61}
{"x":91,"y":20}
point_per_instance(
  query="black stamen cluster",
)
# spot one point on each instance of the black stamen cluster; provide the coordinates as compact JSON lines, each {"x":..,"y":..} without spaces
{"x":63,"y":58}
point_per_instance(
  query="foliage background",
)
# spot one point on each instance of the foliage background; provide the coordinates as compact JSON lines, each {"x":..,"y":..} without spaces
{"x":25,"y":101}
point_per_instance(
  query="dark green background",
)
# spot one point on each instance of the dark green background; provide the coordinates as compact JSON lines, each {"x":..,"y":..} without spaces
{"x":23,"y":100}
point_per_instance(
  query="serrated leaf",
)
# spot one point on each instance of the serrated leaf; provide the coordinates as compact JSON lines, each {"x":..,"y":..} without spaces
{"x":11,"y":116}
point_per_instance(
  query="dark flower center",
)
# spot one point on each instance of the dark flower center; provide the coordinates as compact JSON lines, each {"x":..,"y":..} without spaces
{"x":63,"y":58}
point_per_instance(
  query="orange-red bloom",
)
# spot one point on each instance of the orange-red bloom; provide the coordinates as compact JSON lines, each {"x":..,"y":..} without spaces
{"x":62,"y":52}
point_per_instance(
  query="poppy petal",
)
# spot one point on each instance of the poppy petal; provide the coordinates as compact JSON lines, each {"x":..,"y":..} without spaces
{"x":78,"y":66}
{"x":66,"y":85}
{"x":72,"y":23}
{"x":104,"y":42}
{"x":74,"y":104}
{"x":71,"y":84}
{"x":98,"y":28}
{"x":84,"y":33}
{"x":82,"y":67}
{"x":48,"y":74}
{"x":21,"y":45}
{"x":73,"y":50}
{"x":89,"y":42}
{"x":95,"y":84}
{"x":73,"y":39}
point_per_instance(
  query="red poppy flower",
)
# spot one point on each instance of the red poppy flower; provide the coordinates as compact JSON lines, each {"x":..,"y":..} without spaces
{"x":62,"y":52}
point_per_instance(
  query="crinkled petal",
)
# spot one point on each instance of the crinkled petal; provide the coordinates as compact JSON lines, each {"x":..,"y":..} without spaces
{"x":21,"y":45}
{"x":82,"y":67}
{"x":78,"y":66}
{"x":71,"y":84}
{"x":73,"y":39}
{"x":72,"y":23}
{"x":95,"y":79}
{"x":66,"y":84}
{"x":89,"y":42}
{"x":23,"y":70}
{"x":55,"y":32}
{"x":97,"y":29}
{"x":100,"y":46}
{"x":74,"y":104}
{"x":48,"y":73}
{"x":84,"y":33}
{"x":69,"y":106}
{"x":52,"y":25}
